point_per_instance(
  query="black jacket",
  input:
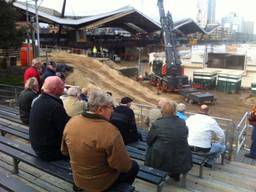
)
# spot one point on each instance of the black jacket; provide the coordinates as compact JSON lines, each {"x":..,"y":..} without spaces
{"x":25,"y":99}
{"x":46,"y":124}
{"x":47,"y":73}
{"x":168,"y":147}
{"x":124,"y":119}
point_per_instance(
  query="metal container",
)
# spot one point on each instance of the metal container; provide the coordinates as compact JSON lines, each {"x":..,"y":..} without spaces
{"x":205,"y":79}
{"x":253,"y":89}
{"x":229,"y":83}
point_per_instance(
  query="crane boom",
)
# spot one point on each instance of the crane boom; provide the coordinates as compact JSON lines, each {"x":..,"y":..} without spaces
{"x":169,"y":37}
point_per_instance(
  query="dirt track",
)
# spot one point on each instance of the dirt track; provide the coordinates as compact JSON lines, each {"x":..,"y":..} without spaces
{"x":91,"y":73}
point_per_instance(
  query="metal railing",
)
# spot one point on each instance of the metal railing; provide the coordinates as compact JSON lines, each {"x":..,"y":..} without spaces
{"x":10,"y":94}
{"x":242,"y":128}
{"x":228,"y":125}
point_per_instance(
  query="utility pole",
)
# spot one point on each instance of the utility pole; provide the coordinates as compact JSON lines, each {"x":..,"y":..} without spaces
{"x":28,"y":39}
{"x":37,"y":29}
{"x":60,"y":26}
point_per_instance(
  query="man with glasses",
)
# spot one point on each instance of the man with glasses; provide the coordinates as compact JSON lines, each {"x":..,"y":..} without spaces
{"x":98,"y":156}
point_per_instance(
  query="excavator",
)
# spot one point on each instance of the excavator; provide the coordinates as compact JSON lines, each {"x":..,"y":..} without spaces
{"x":167,"y":76}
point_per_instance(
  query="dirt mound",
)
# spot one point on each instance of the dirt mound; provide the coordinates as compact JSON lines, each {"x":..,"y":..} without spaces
{"x":91,"y":73}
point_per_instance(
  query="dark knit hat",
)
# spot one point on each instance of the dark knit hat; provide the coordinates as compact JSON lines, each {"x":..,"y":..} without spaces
{"x":126,"y":100}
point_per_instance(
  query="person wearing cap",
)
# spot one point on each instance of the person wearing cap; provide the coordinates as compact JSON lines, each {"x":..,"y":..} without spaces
{"x":47,"y":120}
{"x":123,"y":118}
{"x":49,"y":71}
{"x":181,"y":107}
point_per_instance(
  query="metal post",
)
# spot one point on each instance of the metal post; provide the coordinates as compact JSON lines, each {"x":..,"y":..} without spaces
{"x":28,"y":43}
{"x":37,"y":29}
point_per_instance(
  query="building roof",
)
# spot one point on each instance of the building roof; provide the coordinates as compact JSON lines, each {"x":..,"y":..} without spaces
{"x":123,"y":17}
{"x":188,"y":26}
{"x":127,"y":18}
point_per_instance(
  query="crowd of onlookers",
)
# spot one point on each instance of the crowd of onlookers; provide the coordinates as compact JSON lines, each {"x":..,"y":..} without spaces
{"x":86,"y":128}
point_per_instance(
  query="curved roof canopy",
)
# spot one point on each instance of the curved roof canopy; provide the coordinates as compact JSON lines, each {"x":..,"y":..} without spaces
{"x":127,"y":18}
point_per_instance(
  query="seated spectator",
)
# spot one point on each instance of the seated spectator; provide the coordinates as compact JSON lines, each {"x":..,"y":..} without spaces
{"x":98,"y":156}
{"x":61,"y":75}
{"x":47,"y":120}
{"x":124,"y":119}
{"x":181,"y":107}
{"x":49,"y":71}
{"x":33,"y":71}
{"x":201,"y":128}
{"x":26,"y":97}
{"x":168,"y":147}
{"x":252,"y":121}
{"x":72,"y":104}
{"x":155,"y":113}
{"x":84,"y":95}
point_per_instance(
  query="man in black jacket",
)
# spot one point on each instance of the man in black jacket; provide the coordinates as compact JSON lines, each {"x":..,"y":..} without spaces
{"x":124,"y":119}
{"x":26,"y":97}
{"x":47,"y":120}
{"x":168,"y":146}
{"x":49,"y":71}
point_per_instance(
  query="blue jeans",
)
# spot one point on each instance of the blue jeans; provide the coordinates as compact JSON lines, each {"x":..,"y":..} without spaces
{"x":216,"y":150}
{"x":253,"y":146}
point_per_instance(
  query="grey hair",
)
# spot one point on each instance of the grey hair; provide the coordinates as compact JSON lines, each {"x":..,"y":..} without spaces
{"x":35,"y":61}
{"x":168,"y":109}
{"x":99,"y":98}
{"x":181,"y":107}
{"x":73,"y":91}
{"x":31,"y":83}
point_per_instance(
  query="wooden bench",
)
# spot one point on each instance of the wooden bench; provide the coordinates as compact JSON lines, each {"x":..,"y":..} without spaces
{"x":147,"y":174}
{"x":136,"y":150}
{"x":9,"y":183}
{"x":139,"y":149}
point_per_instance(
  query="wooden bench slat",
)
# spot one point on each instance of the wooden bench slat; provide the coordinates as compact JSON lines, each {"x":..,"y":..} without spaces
{"x":37,"y":163}
{"x":8,"y":183}
{"x":14,"y":132}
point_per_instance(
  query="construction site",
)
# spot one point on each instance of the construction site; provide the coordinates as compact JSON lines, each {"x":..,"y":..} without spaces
{"x":127,"y":53}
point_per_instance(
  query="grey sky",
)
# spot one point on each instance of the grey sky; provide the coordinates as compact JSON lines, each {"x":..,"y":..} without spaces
{"x":179,"y":8}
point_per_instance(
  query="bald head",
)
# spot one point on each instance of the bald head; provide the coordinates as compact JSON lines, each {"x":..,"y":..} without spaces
{"x":53,"y":85}
{"x":204,"y":109}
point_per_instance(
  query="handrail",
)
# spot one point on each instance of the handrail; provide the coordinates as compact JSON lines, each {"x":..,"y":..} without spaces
{"x":227,"y":124}
{"x":241,"y":138}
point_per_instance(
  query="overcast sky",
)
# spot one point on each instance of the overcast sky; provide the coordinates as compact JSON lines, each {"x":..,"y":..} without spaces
{"x":179,"y":8}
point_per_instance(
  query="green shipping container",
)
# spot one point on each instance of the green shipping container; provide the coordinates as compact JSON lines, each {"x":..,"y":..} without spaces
{"x":205,"y":79}
{"x":253,"y":89}
{"x":229,"y":83}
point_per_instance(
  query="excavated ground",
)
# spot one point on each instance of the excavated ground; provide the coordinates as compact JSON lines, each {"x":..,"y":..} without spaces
{"x":91,"y":73}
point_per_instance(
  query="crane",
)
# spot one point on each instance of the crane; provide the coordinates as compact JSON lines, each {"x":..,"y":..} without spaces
{"x":168,"y":75}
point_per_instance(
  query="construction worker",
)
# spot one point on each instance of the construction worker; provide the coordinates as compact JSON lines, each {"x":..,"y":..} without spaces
{"x":94,"y":51}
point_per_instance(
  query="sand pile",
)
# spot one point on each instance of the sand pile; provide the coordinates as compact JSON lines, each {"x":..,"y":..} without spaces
{"x":91,"y":73}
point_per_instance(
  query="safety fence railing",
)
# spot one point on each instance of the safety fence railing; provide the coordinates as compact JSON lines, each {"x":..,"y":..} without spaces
{"x":242,"y":129}
{"x":9,"y":94}
{"x":228,"y":125}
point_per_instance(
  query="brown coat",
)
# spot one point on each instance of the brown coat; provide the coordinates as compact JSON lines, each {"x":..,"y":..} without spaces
{"x":97,"y":152}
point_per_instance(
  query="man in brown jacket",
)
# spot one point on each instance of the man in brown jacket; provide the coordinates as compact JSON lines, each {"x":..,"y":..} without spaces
{"x":98,"y":156}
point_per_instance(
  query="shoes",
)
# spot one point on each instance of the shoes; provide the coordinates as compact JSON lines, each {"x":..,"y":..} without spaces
{"x":76,"y":188}
{"x":175,"y":176}
{"x":249,"y":155}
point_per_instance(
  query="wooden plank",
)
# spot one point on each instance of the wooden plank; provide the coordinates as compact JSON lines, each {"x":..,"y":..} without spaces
{"x":12,"y":184}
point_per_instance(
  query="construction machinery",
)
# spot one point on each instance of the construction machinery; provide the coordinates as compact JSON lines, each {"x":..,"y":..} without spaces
{"x":167,"y":75}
